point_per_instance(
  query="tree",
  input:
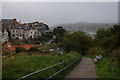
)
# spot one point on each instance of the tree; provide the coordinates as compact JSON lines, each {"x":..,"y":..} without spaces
{"x":58,"y":30}
{"x":100,"y":34}
{"x":59,"y":33}
{"x":77,"y":41}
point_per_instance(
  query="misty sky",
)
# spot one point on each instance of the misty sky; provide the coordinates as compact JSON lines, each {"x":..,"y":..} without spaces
{"x":54,"y":13}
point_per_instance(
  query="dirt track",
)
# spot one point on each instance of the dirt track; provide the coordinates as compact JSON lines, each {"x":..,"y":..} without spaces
{"x":85,"y":69}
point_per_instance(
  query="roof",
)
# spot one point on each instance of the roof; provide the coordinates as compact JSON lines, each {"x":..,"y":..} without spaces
{"x":12,"y":48}
{"x":20,"y":27}
{"x":17,"y":27}
{"x":7,"y":21}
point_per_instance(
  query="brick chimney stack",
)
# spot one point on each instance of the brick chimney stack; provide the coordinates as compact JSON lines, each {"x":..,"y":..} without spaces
{"x":14,"y":19}
{"x":16,"y":22}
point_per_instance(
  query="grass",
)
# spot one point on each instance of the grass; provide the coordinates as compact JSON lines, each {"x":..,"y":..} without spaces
{"x":106,"y":68}
{"x":18,"y":66}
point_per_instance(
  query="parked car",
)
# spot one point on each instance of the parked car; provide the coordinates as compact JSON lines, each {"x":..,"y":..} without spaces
{"x":51,"y":49}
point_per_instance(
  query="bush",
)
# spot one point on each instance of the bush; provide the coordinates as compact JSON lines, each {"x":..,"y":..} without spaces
{"x":4,"y":43}
{"x":26,"y":41}
{"x":77,"y":41}
{"x":115,"y":55}
{"x":96,"y":51}
{"x":33,"y":49}
{"x":19,"y":49}
{"x":6,"y":53}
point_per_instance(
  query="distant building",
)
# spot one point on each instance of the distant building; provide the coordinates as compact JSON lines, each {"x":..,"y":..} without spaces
{"x":23,"y":31}
{"x":8,"y":22}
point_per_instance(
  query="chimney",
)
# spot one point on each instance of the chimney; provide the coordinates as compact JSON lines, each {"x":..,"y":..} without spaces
{"x":14,"y":19}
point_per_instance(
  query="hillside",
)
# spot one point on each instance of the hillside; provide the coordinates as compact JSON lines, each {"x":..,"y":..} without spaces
{"x":89,"y":27}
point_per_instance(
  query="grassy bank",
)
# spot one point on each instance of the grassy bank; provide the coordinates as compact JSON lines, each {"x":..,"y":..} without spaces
{"x":106,"y":68}
{"x":18,"y":66}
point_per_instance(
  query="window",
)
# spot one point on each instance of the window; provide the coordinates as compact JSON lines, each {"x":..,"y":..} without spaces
{"x":13,"y":31}
{"x":13,"y":35}
{"x":31,"y":32}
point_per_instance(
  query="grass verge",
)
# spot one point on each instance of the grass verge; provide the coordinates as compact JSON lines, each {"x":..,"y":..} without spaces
{"x":106,"y":68}
{"x":18,"y":66}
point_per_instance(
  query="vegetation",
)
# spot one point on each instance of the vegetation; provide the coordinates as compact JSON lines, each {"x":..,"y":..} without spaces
{"x":59,"y":32}
{"x":19,"y":49}
{"x":51,"y":46}
{"x":43,"y":38}
{"x":106,"y":68}
{"x":33,"y":49}
{"x":77,"y":41}
{"x":107,"y":43}
{"x":18,"y":66}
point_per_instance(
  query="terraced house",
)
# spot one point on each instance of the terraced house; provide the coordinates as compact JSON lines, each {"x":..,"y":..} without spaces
{"x":23,"y":31}
{"x":29,"y":30}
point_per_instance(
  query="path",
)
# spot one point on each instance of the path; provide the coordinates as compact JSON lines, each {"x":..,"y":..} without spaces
{"x":85,"y":69}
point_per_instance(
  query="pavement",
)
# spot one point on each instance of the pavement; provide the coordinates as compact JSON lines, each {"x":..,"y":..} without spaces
{"x":85,"y":69}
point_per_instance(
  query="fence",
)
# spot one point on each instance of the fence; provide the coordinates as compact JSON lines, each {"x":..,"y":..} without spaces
{"x":72,"y":60}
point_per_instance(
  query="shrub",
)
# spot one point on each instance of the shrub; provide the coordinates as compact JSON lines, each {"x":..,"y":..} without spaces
{"x":115,"y":55}
{"x":6,"y":53}
{"x":19,"y":49}
{"x":26,"y":41}
{"x":77,"y":41}
{"x":33,"y":49}
{"x":4,"y":43}
{"x":95,"y":50}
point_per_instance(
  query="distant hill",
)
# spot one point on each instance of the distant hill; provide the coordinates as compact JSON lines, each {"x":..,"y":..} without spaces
{"x":88,"y":27}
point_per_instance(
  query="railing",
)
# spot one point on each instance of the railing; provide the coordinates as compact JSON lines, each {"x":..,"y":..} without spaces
{"x":28,"y":75}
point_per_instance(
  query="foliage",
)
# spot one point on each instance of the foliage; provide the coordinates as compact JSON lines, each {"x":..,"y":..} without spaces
{"x":19,"y":66}
{"x":106,"y":68}
{"x":108,"y":39}
{"x":116,"y":55}
{"x":33,"y":49}
{"x":19,"y":49}
{"x":59,"y":32}
{"x":4,"y":43}
{"x":77,"y":41}
{"x":44,"y":37}
{"x":95,"y":51}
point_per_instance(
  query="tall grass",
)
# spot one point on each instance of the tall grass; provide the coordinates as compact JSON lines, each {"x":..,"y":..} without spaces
{"x":106,"y":68}
{"x":18,"y":66}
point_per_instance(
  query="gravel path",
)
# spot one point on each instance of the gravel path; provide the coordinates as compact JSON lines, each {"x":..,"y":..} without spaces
{"x":85,"y":69}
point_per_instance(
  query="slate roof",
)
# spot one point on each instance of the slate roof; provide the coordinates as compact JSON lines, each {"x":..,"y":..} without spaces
{"x":7,"y":21}
{"x":17,"y":27}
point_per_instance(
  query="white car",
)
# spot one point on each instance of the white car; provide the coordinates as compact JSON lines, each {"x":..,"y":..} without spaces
{"x":51,"y":49}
